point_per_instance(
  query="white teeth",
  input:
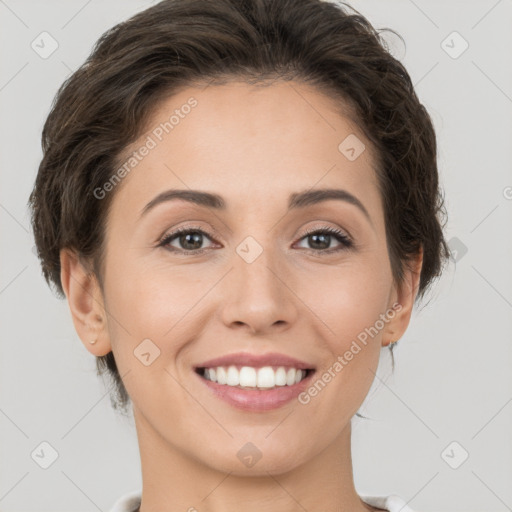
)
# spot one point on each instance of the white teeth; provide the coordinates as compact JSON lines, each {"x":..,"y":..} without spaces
{"x":281,"y":376}
{"x":221,"y":375}
{"x":266,"y":377}
{"x":233,"y":377}
{"x":248,"y":377}
{"x":263,"y":378}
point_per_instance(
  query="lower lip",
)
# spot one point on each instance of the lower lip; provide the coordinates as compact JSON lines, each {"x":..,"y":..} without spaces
{"x":257,"y":400}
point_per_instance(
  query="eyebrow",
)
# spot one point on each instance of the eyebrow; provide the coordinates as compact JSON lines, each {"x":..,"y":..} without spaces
{"x":296,"y":201}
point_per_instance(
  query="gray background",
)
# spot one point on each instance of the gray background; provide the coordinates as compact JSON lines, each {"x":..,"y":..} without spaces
{"x":453,"y":378}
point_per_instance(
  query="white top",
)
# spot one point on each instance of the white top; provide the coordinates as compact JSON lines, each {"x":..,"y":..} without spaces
{"x":131,"y":502}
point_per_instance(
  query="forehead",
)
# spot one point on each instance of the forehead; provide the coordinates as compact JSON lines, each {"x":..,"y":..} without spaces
{"x":244,"y":140}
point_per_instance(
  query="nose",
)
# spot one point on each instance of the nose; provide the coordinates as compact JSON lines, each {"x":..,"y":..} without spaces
{"x":258,"y":296}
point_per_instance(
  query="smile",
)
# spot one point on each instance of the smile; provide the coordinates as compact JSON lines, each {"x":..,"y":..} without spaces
{"x":267,"y":377}
{"x":255,"y":382}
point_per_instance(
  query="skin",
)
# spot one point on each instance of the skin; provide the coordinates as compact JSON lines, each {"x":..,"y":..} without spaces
{"x":254,"y":146}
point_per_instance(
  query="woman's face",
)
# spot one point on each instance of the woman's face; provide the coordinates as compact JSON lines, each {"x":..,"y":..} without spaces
{"x":247,"y":278}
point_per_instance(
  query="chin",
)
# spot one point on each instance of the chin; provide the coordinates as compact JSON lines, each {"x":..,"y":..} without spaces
{"x":254,"y":458}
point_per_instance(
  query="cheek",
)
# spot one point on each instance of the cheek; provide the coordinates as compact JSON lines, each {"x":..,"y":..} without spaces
{"x":150,"y":300}
{"x":347,"y":303}
{"x":348,"y":298}
{"x":148,"y":322}
{"x":148,"y":304}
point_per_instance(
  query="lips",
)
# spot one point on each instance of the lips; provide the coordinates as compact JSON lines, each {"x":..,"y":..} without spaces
{"x":255,"y":382}
{"x":256,"y":361}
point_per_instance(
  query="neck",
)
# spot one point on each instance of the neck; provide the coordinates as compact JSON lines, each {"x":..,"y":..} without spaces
{"x":172,"y":481}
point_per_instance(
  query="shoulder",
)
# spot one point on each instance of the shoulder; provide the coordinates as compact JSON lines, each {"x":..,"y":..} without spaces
{"x":129,"y":502}
{"x":392,"y":503}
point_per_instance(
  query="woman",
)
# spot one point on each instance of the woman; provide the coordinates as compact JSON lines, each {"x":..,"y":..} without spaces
{"x":240,"y":203}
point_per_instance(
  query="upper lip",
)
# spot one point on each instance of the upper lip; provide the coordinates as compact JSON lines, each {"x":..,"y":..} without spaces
{"x":256,"y":361}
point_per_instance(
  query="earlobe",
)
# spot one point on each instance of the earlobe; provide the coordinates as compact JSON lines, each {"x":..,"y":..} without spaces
{"x":85,"y":302}
{"x":403,"y":301}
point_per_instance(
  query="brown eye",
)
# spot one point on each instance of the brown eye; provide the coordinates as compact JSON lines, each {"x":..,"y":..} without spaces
{"x":187,"y":239}
{"x":320,"y":240}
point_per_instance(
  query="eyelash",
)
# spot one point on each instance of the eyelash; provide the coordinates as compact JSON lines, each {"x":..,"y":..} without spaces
{"x":346,"y":242}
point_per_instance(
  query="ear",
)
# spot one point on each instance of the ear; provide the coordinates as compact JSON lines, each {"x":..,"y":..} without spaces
{"x":402,"y":300}
{"x":85,"y":300}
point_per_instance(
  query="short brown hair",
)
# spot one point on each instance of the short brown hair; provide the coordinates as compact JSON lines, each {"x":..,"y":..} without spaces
{"x":104,"y":105}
